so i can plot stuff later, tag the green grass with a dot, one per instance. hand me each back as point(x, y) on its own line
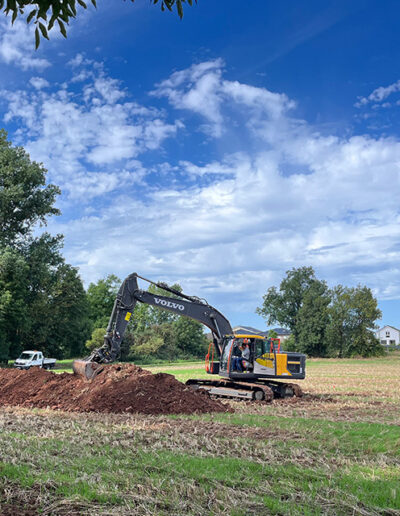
point(327, 454)
point(105, 462)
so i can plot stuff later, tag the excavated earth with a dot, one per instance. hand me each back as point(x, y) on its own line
point(118, 388)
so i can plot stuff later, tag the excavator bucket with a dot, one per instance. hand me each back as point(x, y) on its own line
point(86, 369)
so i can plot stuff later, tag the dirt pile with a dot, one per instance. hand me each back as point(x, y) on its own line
point(118, 388)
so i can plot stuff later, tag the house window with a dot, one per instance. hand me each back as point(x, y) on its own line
point(383, 342)
point(387, 334)
point(392, 342)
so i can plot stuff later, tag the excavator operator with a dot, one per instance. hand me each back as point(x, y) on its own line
point(246, 355)
point(237, 357)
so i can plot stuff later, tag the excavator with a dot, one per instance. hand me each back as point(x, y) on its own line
point(259, 377)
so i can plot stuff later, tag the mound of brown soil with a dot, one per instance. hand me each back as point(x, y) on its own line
point(118, 388)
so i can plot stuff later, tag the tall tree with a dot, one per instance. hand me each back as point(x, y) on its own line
point(352, 317)
point(32, 269)
point(25, 199)
point(69, 309)
point(312, 320)
point(14, 290)
point(295, 301)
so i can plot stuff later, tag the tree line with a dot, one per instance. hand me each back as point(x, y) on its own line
point(324, 322)
point(44, 305)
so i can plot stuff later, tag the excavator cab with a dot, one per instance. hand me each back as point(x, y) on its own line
point(265, 360)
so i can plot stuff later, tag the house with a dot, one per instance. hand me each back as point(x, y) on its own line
point(283, 334)
point(388, 336)
point(249, 330)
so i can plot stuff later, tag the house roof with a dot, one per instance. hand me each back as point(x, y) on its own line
point(388, 326)
point(254, 331)
point(249, 330)
point(282, 331)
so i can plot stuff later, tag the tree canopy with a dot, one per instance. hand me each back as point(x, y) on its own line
point(324, 322)
point(47, 13)
point(42, 300)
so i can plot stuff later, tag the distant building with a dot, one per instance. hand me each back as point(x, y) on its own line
point(249, 330)
point(283, 334)
point(388, 336)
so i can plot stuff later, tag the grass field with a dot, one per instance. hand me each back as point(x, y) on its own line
point(336, 451)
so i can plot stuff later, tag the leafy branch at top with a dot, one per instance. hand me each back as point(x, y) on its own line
point(47, 13)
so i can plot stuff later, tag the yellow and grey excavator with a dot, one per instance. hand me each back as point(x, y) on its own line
point(254, 374)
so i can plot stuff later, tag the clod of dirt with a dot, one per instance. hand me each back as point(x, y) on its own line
point(118, 388)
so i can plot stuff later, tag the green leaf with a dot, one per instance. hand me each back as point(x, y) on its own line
point(51, 22)
point(71, 5)
point(179, 8)
point(43, 30)
point(82, 3)
point(62, 28)
point(14, 17)
point(37, 38)
point(94, 3)
point(31, 15)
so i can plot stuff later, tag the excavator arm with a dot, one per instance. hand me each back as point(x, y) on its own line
point(128, 295)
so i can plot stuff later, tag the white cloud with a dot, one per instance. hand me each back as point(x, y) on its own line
point(17, 46)
point(245, 219)
point(201, 89)
point(229, 227)
point(196, 89)
point(79, 134)
point(379, 94)
point(39, 82)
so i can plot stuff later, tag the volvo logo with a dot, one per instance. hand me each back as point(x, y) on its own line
point(169, 304)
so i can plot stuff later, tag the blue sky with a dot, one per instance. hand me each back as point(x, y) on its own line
point(221, 150)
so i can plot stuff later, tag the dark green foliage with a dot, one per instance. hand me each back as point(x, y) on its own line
point(45, 13)
point(300, 305)
point(336, 323)
point(352, 316)
point(25, 199)
point(68, 305)
point(190, 338)
point(14, 322)
point(312, 319)
point(42, 301)
point(157, 333)
point(101, 297)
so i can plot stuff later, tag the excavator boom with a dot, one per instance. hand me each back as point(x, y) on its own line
point(128, 295)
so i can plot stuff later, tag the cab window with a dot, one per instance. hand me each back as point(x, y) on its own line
point(225, 353)
point(261, 347)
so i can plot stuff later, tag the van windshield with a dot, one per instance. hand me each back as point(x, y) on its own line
point(26, 356)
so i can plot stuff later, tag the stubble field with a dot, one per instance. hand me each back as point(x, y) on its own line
point(335, 451)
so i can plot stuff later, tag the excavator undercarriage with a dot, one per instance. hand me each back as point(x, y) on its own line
point(250, 391)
